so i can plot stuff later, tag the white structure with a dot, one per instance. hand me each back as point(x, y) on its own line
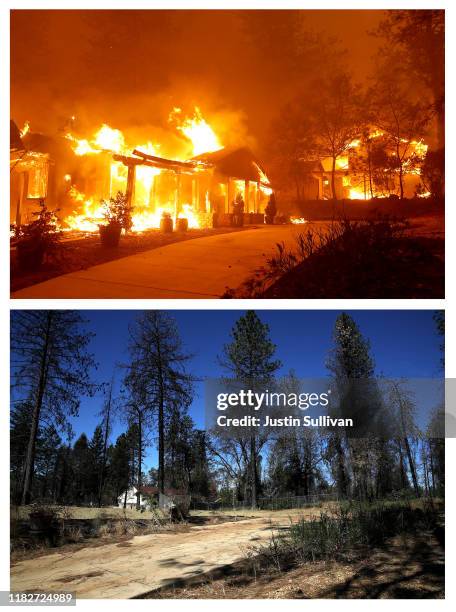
point(145, 497)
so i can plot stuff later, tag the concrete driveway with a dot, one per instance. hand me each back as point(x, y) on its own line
point(144, 563)
point(199, 268)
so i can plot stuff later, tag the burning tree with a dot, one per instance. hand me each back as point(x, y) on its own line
point(400, 120)
point(336, 120)
point(323, 126)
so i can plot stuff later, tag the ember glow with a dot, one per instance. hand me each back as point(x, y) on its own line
point(298, 220)
point(148, 208)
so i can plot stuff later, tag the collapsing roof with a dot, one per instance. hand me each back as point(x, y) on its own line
point(238, 163)
point(16, 143)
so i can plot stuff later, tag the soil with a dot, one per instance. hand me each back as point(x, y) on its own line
point(105, 570)
point(89, 536)
point(410, 567)
point(213, 560)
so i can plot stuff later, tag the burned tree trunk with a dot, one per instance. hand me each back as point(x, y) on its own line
point(333, 178)
point(105, 444)
point(411, 462)
point(253, 472)
point(30, 456)
point(140, 442)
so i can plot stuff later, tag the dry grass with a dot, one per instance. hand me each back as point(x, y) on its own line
point(246, 513)
point(76, 512)
point(411, 569)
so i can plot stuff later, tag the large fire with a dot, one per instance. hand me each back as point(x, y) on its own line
point(146, 214)
point(413, 150)
point(198, 131)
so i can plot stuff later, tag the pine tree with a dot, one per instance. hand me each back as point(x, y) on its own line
point(96, 447)
point(51, 368)
point(107, 416)
point(352, 367)
point(157, 376)
point(249, 359)
point(82, 470)
point(119, 474)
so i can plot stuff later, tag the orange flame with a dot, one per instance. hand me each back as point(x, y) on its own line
point(197, 130)
point(146, 214)
point(25, 129)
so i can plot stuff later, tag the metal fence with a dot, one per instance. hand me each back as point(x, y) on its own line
point(267, 503)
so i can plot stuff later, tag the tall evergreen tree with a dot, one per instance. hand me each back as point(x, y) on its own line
point(51, 369)
point(82, 470)
point(119, 466)
point(249, 358)
point(106, 425)
point(158, 368)
point(352, 367)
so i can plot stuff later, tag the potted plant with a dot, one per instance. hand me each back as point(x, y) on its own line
point(166, 222)
point(117, 215)
point(37, 239)
point(182, 224)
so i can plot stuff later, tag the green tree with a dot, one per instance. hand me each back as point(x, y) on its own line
point(96, 452)
point(358, 397)
point(51, 368)
point(106, 425)
point(249, 358)
point(157, 371)
point(119, 466)
point(82, 469)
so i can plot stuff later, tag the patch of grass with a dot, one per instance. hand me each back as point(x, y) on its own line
point(346, 531)
point(81, 512)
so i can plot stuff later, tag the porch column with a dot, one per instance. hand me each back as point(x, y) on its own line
point(246, 197)
point(153, 195)
point(194, 199)
point(226, 204)
point(229, 195)
point(177, 199)
point(130, 189)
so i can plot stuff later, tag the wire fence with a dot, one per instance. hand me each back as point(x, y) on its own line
point(267, 503)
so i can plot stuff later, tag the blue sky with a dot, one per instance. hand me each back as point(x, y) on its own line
point(403, 343)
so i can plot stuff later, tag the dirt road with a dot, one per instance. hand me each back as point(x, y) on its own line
point(131, 568)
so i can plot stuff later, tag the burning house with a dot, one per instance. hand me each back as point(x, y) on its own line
point(29, 176)
point(198, 179)
point(366, 170)
point(200, 187)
